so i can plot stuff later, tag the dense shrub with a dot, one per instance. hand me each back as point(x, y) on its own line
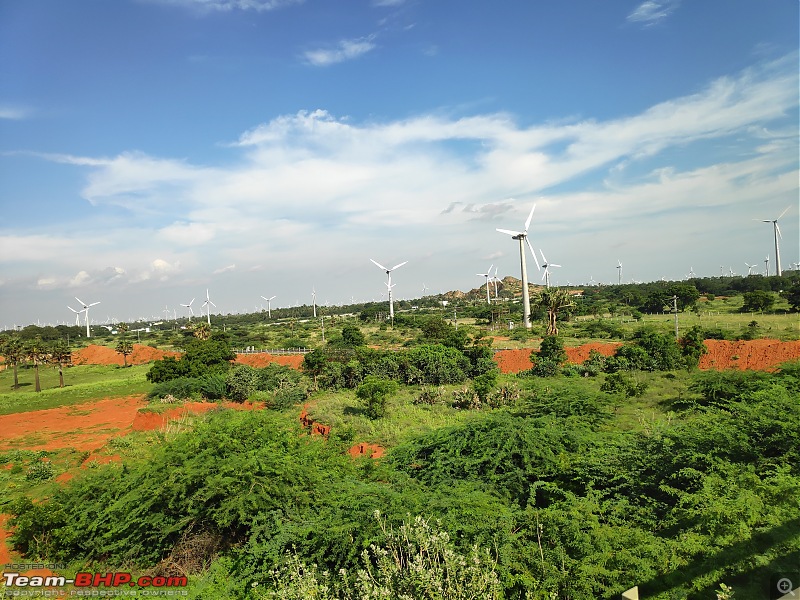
point(180, 388)
point(241, 381)
point(374, 392)
point(436, 364)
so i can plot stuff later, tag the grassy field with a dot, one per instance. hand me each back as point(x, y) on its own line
point(81, 383)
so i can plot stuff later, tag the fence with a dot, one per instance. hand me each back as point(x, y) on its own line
point(274, 351)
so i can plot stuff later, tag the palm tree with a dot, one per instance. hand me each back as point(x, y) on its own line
point(60, 353)
point(13, 350)
point(36, 351)
point(202, 331)
point(553, 300)
point(124, 347)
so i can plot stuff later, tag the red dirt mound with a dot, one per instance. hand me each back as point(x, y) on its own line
point(514, 361)
point(364, 449)
point(103, 355)
point(756, 355)
point(263, 359)
point(309, 423)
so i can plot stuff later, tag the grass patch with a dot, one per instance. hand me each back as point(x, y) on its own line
point(86, 382)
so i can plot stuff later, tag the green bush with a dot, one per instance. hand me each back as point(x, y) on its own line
point(213, 386)
point(180, 388)
point(241, 382)
point(374, 392)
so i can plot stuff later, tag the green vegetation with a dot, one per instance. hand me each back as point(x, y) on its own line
point(566, 481)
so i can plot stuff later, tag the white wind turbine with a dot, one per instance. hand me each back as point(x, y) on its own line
point(546, 266)
point(77, 315)
point(314, 301)
point(487, 276)
point(766, 266)
point(691, 272)
point(495, 280)
point(86, 316)
point(750, 269)
point(777, 233)
point(189, 306)
point(389, 284)
point(269, 305)
point(208, 304)
point(523, 236)
point(619, 272)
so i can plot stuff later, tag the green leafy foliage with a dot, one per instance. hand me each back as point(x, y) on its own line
point(374, 392)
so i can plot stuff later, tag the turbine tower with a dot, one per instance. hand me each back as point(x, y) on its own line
point(389, 284)
point(487, 276)
point(777, 233)
point(86, 310)
point(523, 236)
point(546, 266)
point(766, 266)
point(619, 272)
point(208, 304)
point(189, 306)
point(269, 305)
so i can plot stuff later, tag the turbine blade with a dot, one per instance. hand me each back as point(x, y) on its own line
point(528, 220)
point(544, 260)
point(93, 303)
point(81, 301)
point(553, 265)
point(778, 230)
point(400, 265)
point(265, 298)
point(379, 265)
point(784, 212)
point(533, 253)
point(273, 298)
point(511, 233)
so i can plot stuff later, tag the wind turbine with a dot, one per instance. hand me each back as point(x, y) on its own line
point(269, 305)
point(619, 272)
point(749, 269)
point(766, 266)
point(208, 304)
point(166, 312)
point(189, 306)
point(389, 284)
point(487, 276)
point(691, 272)
point(86, 316)
point(546, 266)
point(523, 235)
point(314, 301)
point(495, 281)
point(77, 315)
point(777, 233)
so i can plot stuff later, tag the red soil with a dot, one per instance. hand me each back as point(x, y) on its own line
point(263, 359)
point(86, 426)
point(148, 421)
point(5, 553)
point(364, 449)
point(103, 355)
point(757, 355)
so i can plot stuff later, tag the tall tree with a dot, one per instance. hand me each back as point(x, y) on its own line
point(60, 353)
point(13, 350)
point(554, 301)
point(124, 347)
point(36, 352)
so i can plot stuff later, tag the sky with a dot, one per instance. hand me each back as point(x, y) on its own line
point(151, 150)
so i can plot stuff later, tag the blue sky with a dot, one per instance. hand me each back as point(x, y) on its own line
point(150, 149)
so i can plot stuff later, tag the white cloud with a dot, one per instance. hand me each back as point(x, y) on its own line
point(651, 12)
point(229, 5)
point(227, 269)
point(344, 50)
point(187, 234)
point(14, 113)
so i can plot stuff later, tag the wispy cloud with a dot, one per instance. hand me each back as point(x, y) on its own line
point(228, 5)
point(14, 113)
point(651, 12)
point(344, 50)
